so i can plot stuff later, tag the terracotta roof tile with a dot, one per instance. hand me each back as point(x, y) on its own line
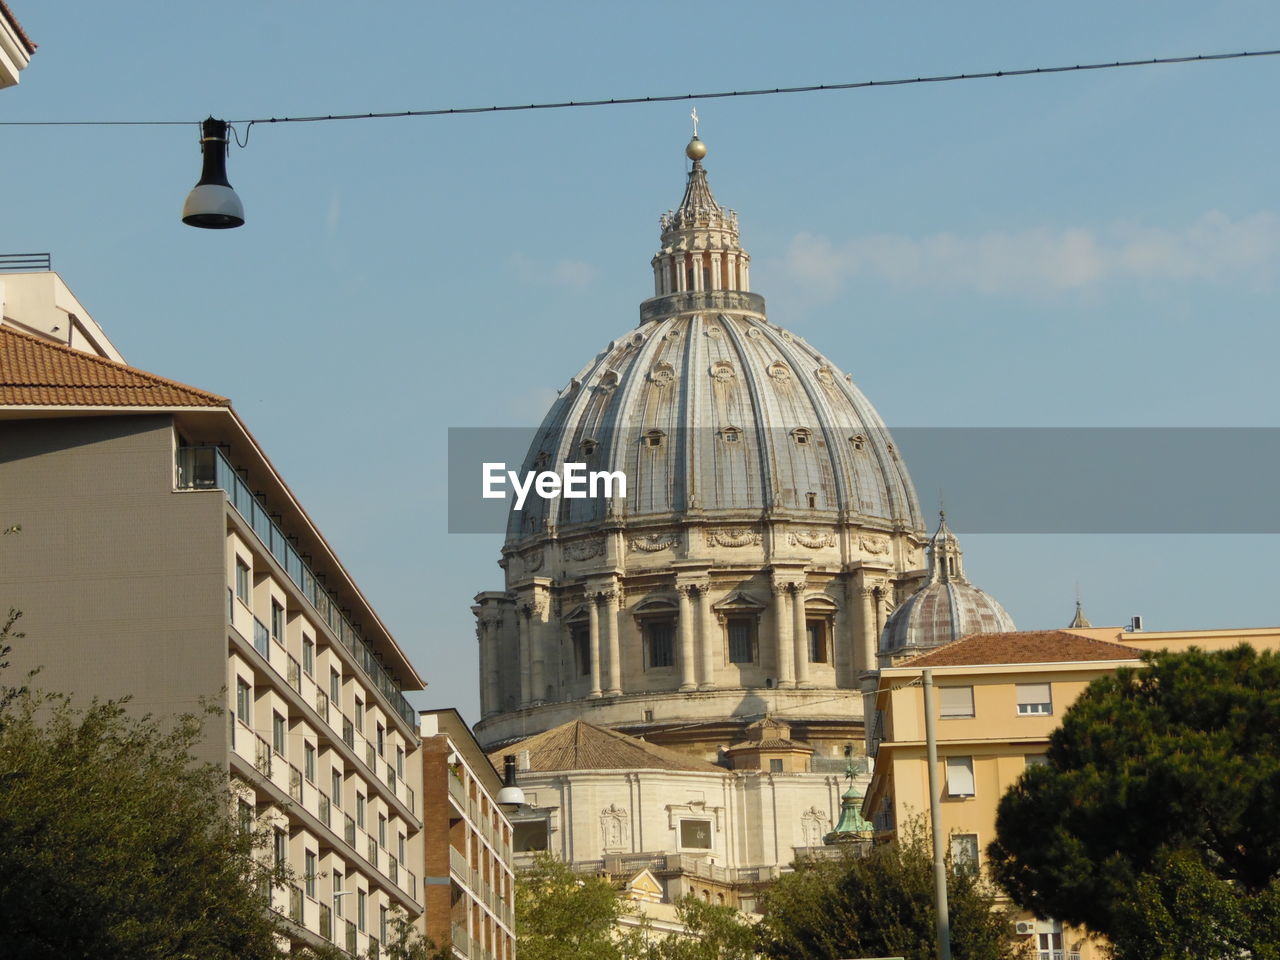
point(1025, 646)
point(17, 27)
point(36, 372)
point(577, 745)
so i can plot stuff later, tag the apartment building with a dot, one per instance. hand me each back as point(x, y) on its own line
point(156, 553)
point(998, 699)
point(469, 881)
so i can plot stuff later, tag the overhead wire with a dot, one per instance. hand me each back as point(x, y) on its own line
point(677, 97)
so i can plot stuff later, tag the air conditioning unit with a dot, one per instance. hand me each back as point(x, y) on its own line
point(1024, 928)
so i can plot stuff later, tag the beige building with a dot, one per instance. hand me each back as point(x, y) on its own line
point(999, 697)
point(156, 553)
point(469, 882)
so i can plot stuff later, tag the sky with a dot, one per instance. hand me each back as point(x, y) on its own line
point(1078, 250)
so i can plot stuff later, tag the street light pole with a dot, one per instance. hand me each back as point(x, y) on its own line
point(935, 821)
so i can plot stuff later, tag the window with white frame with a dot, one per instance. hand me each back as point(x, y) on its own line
point(309, 762)
point(277, 734)
point(964, 853)
point(1034, 700)
point(960, 776)
point(335, 787)
point(308, 656)
point(277, 621)
point(310, 875)
point(281, 847)
point(955, 702)
point(242, 581)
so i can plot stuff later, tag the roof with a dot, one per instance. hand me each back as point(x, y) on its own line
point(1026, 646)
point(17, 27)
point(37, 372)
point(577, 745)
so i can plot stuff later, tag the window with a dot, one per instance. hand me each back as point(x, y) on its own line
point(1034, 700)
point(359, 719)
point(654, 438)
point(400, 847)
point(960, 776)
point(817, 640)
point(730, 435)
point(801, 435)
point(811, 500)
point(277, 734)
point(277, 622)
point(659, 641)
point(245, 811)
point(242, 581)
point(281, 847)
point(360, 810)
point(1036, 760)
point(528, 836)
point(308, 656)
point(695, 834)
point(361, 908)
point(382, 831)
point(741, 640)
point(310, 877)
point(775, 765)
point(381, 739)
point(580, 637)
point(243, 699)
point(964, 853)
point(400, 761)
point(382, 924)
point(955, 702)
point(335, 688)
point(1048, 945)
point(309, 762)
point(337, 889)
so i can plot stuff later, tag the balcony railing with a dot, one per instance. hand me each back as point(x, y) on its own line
point(202, 468)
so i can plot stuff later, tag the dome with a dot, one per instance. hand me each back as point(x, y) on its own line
point(767, 528)
point(946, 608)
point(710, 409)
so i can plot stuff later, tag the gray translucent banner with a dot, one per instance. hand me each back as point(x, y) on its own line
point(993, 480)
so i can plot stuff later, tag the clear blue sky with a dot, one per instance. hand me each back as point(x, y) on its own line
point(1077, 250)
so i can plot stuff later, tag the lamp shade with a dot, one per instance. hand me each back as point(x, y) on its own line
point(213, 205)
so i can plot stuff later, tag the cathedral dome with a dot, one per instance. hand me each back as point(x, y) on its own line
point(767, 529)
point(710, 409)
point(946, 608)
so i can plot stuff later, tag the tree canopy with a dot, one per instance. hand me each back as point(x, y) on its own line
point(1153, 821)
point(562, 916)
point(879, 905)
point(114, 844)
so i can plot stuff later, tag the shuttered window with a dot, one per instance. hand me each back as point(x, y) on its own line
point(1034, 700)
point(956, 701)
point(960, 776)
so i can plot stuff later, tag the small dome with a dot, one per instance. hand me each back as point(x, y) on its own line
point(946, 608)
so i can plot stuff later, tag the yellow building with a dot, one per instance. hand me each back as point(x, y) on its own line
point(999, 696)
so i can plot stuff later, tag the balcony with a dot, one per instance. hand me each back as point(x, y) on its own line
point(207, 468)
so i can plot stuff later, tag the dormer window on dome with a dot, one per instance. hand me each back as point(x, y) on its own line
point(731, 435)
point(654, 438)
point(588, 447)
point(801, 435)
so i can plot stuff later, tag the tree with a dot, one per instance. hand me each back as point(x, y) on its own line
point(562, 916)
point(1153, 822)
point(880, 904)
point(712, 932)
point(114, 843)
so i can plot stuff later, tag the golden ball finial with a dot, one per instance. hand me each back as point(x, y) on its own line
point(696, 149)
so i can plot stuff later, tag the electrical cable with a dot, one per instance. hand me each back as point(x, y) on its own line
point(671, 98)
